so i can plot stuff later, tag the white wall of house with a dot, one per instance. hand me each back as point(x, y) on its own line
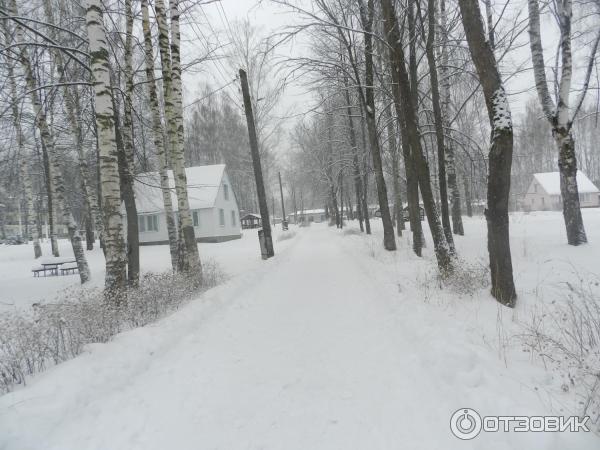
point(208, 223)
point(537, 199)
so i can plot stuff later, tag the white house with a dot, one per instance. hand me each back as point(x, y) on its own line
point(214, 208)
point(544, 192)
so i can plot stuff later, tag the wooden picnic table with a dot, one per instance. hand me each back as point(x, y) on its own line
point(51, 265)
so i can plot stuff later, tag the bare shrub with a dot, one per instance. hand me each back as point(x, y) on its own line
point(55, 332)
point(565, 336)
point(465, 279)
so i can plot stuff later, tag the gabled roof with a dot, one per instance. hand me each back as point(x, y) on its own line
point(550, 182)
point(203, 184)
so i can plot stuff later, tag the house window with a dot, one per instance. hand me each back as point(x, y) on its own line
point(233, 218)
point(222, 217)
point(583, 198)
point(152, 222)
point(226, 191)
point(196, 218)
point(141, 224)
point(543, 201)
point(535, 188)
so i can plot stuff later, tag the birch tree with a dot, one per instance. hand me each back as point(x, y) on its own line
point(23, 156)
point(158, 134)
point(114, 250)
point(54, 164)
point(189, 258)
point(500, 153)
point(559, 114)
point(71, 105)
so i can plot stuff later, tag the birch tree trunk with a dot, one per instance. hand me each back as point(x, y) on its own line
point(189, 258)
point(500, 154)
point(23, 158)
point(158, 135)
point(114, 248)
point(54, 165)
point(367, 13)
point(558, 116)
point(74, 116)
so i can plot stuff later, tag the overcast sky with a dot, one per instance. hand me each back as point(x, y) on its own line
point(219, 19)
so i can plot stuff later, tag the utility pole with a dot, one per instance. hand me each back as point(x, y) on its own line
point(284, 223)
point(265, 237)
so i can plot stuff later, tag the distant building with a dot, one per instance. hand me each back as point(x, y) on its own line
point(544, 192)
point(251, 220)
point(308, 215)
point(213, 205)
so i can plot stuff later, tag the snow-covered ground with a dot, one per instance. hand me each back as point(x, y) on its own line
point(332, 344)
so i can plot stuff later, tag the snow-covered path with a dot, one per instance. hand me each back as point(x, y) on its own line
point(307, 351)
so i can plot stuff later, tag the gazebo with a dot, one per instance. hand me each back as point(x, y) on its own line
point(251, 220)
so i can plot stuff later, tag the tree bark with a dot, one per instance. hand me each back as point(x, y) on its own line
point(558, 116)
point(438, 122)
point(389, 240)
point(126, 161)
point(54, 165)
point(158, 136)
point(406, 108)
point(500, 154)
point(32, 229)
point(393, 146)
point(189, 258)
point(355, 165)
point(114, 248)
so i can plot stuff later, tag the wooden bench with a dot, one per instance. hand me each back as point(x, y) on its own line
point(36, 271)
point(68, 268)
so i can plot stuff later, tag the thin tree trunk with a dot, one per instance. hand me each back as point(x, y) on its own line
point(53, 158)
point(468, 197)
point(355, 165)
point(389, 240)
point(408, 113)
point(74, 117)
point(393, 146)
point(365, 181)
point(51, 203)
point(438, 122)
point(126, 161)
point(158, 135)
point(500, 155)
point(114, 248)
point(32, 229)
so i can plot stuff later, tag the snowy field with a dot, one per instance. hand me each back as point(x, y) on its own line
point(332, 344)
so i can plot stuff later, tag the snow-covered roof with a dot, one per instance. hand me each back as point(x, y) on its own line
point(550, 182)
point(203, 184)
point(311, 211)
point(251, 215)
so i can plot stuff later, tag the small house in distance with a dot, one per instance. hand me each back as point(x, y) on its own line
point(308, 216)
point(544, 192)
point(250, 221)
point(213, 205)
